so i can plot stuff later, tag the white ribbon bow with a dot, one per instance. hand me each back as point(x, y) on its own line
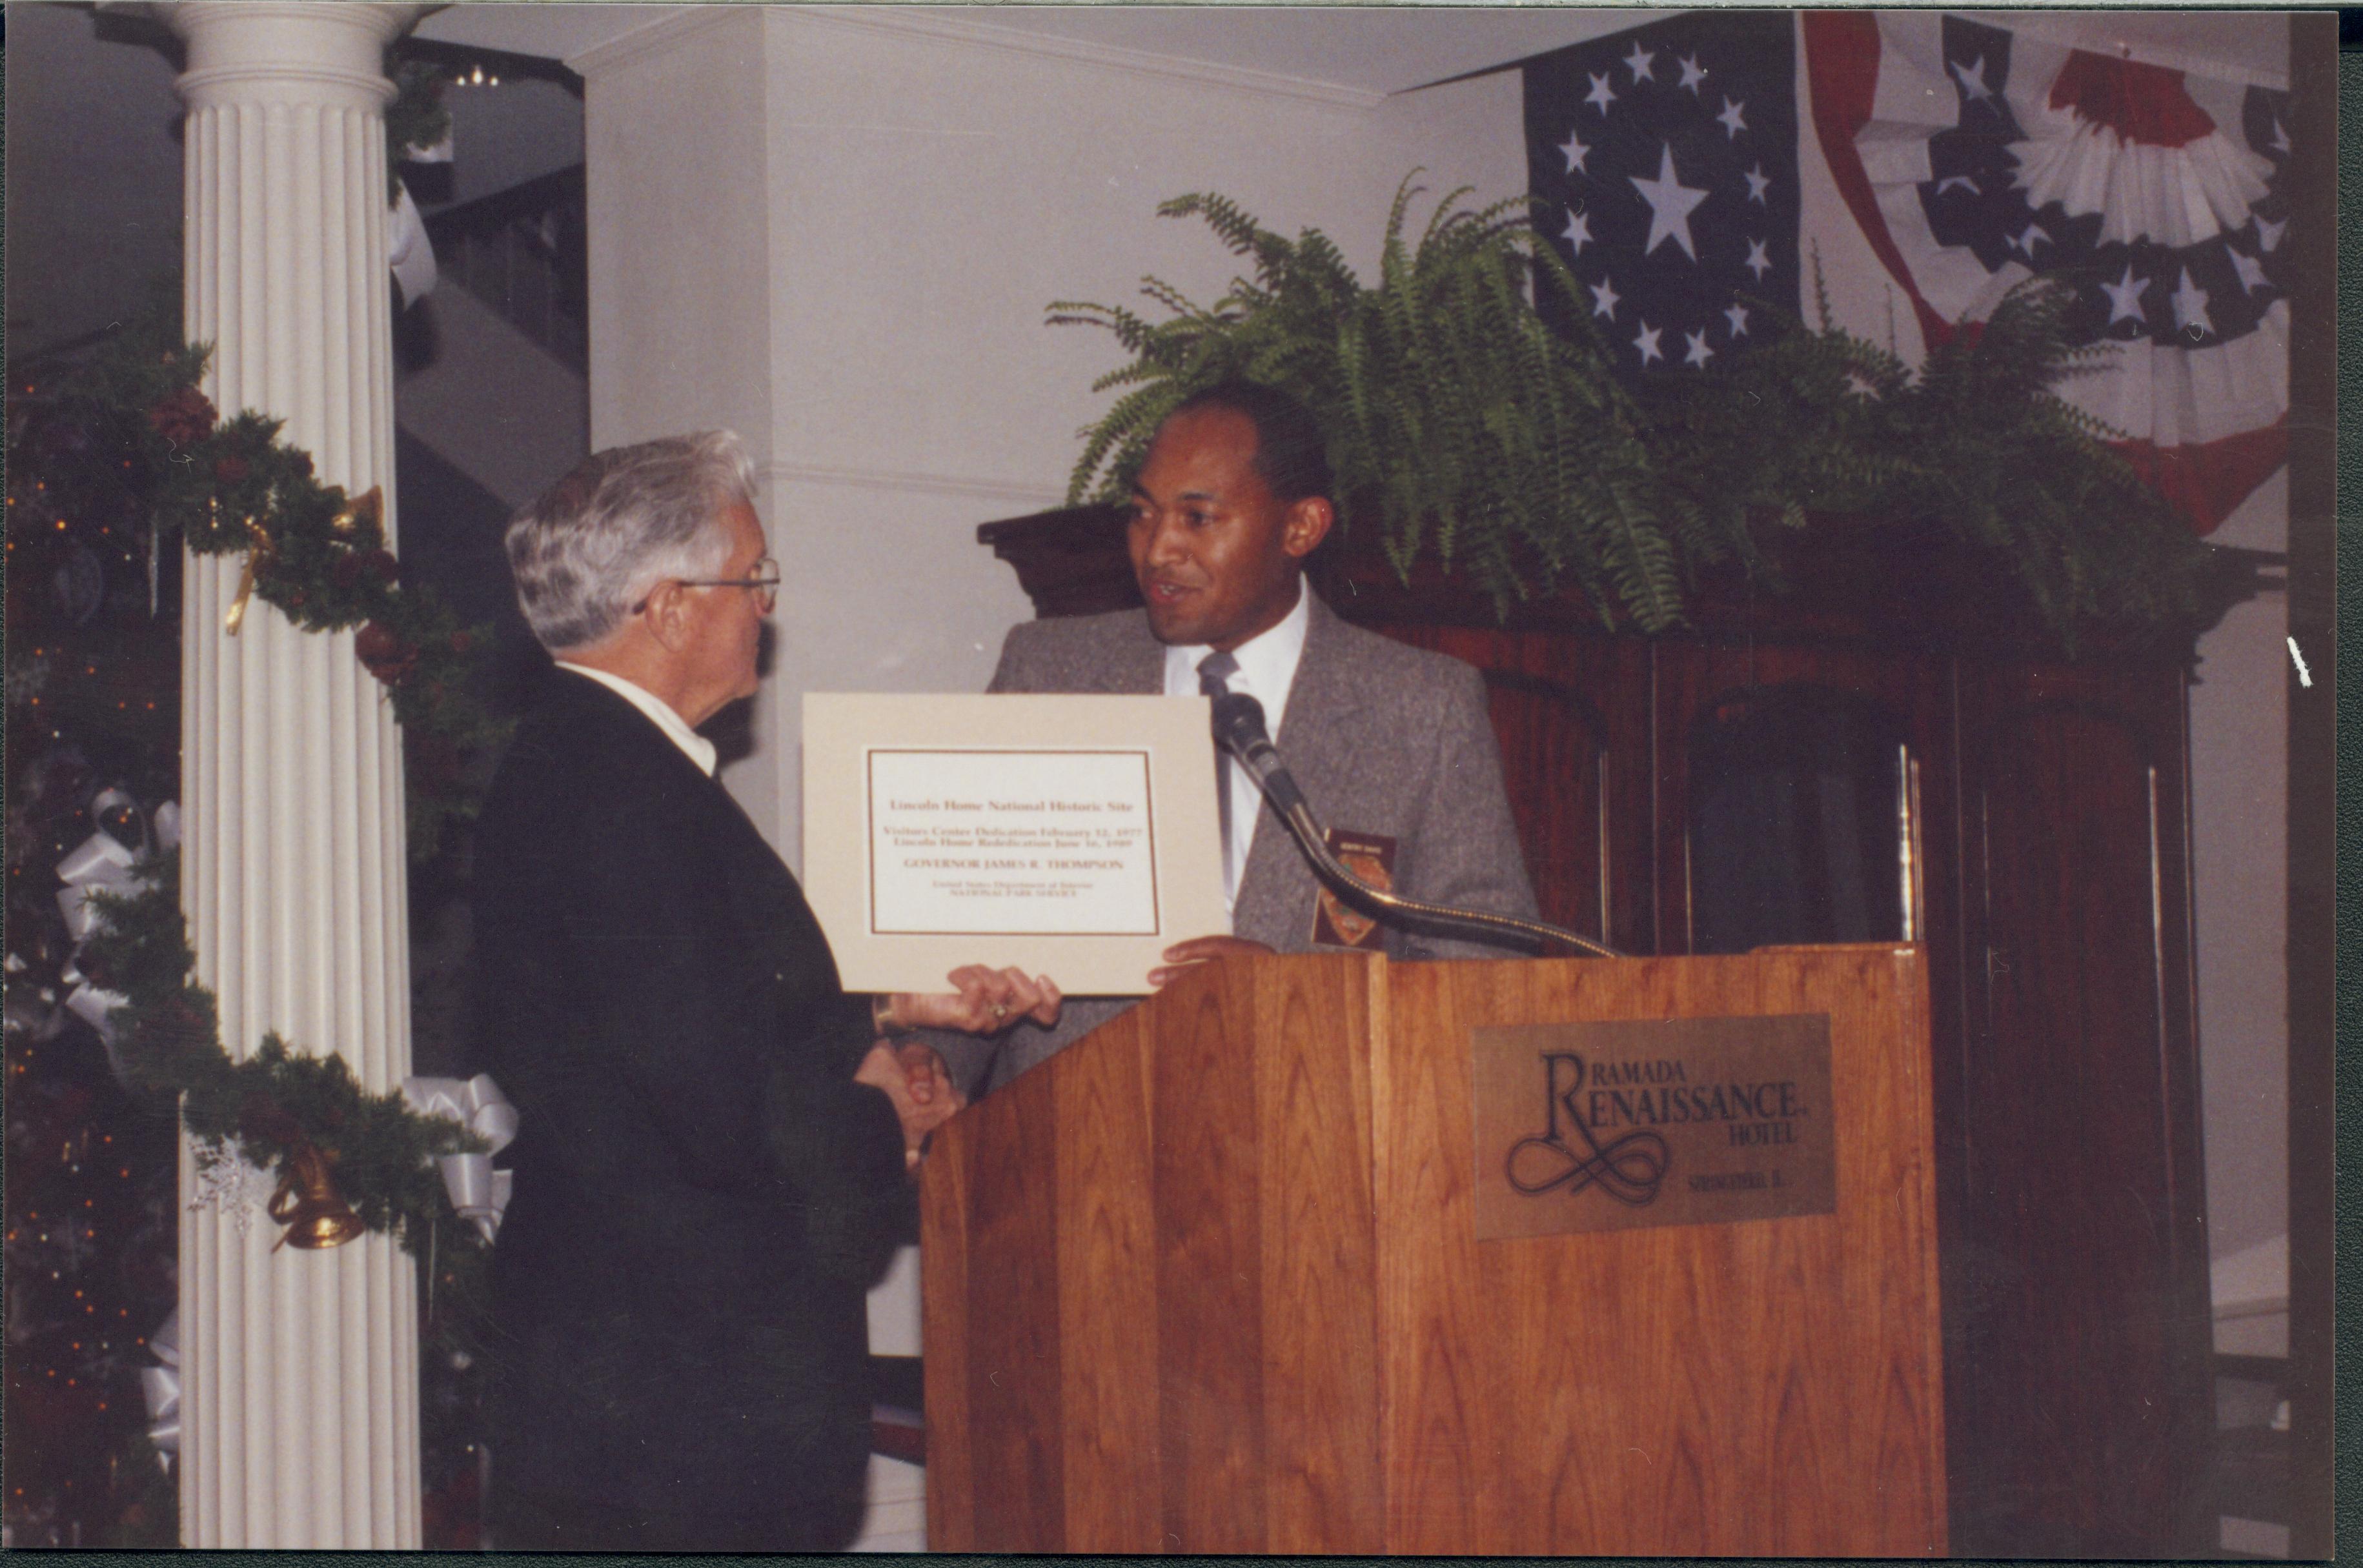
point(161, 1386)
point(477, 1192)
point(104, 864)
point(408, 249)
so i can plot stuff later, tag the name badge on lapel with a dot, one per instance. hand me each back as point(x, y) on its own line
point(1370, 856)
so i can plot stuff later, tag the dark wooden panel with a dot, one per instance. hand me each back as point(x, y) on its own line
point(1573, 715)
point(2081, 1264)
point(1695, 674)
point(1071, 561)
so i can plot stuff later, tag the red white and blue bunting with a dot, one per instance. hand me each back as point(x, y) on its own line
point(1976, 156)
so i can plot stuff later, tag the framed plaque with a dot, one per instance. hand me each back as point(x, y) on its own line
point(1072, 837)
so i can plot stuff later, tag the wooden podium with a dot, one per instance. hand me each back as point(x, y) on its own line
point(1209, 1282)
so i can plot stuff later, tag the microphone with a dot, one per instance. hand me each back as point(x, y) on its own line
point(1239, 729)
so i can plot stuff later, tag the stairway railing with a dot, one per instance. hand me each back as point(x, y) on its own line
point(524, 252)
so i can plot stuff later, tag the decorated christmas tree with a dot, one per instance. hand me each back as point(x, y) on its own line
point(93, 755)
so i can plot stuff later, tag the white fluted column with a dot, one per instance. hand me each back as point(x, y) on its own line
point(300, 1369)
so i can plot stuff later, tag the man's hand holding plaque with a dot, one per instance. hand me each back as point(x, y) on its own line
point(985, 1001)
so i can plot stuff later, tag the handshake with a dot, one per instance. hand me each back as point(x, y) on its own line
point(983, 1001)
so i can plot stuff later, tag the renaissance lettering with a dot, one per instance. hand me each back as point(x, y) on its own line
point(1705, 1103)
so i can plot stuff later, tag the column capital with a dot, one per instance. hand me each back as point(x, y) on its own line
point(285, 49)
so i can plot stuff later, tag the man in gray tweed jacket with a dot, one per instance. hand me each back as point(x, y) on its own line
point(1391, 743)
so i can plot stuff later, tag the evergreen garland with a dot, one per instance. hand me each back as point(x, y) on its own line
point(415, 119)
point(129, 438)
point(226, 486)
point(1463, 425)
point(276, 1101)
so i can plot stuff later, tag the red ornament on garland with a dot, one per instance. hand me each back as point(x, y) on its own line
point(381, 648)
point(354, 565)
point(434, 763)
point(183, 418)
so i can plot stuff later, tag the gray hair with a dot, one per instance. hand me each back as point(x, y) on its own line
point(624, 521)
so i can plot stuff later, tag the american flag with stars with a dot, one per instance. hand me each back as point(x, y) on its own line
point(1662, 161)
point(1977, 156)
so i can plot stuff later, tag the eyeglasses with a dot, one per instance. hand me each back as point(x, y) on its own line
point(764, 584)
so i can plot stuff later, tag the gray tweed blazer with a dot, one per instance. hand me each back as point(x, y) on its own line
point(1385, 739)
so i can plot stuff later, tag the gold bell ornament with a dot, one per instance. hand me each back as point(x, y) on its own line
point(307, 1205)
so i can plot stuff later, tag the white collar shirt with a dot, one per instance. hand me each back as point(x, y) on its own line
point(1268, 664)
point(694, 747)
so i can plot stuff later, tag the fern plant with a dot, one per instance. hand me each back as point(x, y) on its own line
point(1461, 423)
point(1977, 444)
point(1464, 425)
point(2014, 469)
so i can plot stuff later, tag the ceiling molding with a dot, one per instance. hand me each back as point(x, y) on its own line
point(928, 21)
point(651, 37)
point(996, 490)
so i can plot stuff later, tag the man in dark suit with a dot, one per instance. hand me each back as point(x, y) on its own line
point(713, 1140)
point(1392, 744)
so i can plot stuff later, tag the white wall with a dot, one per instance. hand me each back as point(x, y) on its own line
point(674, 150)
point(2239, 789)
point(676, 170)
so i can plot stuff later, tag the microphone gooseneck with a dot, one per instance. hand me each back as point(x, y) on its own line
point(1239, 728)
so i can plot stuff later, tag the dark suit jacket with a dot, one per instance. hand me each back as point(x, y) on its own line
point(1384, 738)
point(703, 1193)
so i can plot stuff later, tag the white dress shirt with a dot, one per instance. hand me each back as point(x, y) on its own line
point(1266, 669)
point(694, 747)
